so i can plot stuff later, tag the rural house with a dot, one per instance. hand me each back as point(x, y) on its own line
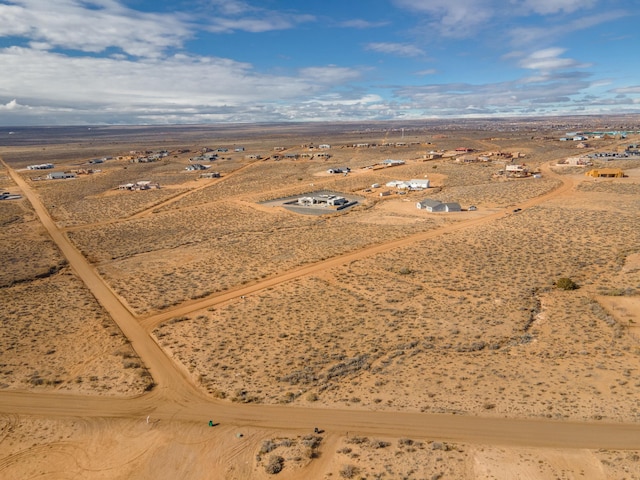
point(60, 175)
point(437, 206)
point(606, 172)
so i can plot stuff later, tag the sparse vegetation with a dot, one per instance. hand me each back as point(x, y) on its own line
point(275, 464)
point(467, 322)
point(565, 283)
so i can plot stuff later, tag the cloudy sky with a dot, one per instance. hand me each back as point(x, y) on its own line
point(67, 62)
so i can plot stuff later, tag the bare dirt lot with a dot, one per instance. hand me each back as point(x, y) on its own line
point(418, 341)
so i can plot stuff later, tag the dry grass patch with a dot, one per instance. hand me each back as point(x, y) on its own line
point(367, 458)
point(462, 323)
point(55, 335)
point(26, 252)
point(159, 261)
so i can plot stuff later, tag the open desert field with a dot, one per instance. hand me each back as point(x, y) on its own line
point(417, 342)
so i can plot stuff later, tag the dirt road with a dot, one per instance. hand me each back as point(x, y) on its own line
point(176, 398)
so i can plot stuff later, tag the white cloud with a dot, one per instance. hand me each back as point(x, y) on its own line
point(546, 7)
point(12, 105)
point(182, 85)
point(401, 49)
point(265, 23)
point(335, 100)
point(515, 97)
point(231, 7)
point(452, 18)
point(549, 59)
point(625, 90)
point(71, 24)
point(361, 24)
point(466, 18)
point(331, 74)
point(549, 33)
point(235, 15)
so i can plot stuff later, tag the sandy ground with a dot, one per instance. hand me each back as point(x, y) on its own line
point(117, 449)
point(416, 355)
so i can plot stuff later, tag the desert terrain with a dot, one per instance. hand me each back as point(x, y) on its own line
point(421, 345)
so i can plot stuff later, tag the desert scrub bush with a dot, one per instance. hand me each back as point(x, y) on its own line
point(175, 320)
point(275, 465)
point(287, 442)
point(268, 446)
point(311, 441)
point(566, 283)
point(379, 444)
point(405, 441)
point(348, 471)
point(357, 440)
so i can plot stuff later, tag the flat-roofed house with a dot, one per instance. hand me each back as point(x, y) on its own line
point(431, 205)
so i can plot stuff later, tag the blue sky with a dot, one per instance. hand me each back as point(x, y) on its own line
point(67, 62)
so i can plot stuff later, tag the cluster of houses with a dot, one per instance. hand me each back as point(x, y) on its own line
point(384, 144)
point(628, 153)
point(582, 136)
point(295, 156)
point(576, 138)
point(142, 157)
point(488, 157)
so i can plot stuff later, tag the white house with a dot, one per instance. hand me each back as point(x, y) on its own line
point(60, 175)
point(324, 146)
point(394, 183)
point(414, 184)
point(389, 162)
point(437, 206)
point(197, 166)
point(418, 184)
point(44, 166)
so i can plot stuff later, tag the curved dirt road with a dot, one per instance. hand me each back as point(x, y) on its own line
point(176, 397)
